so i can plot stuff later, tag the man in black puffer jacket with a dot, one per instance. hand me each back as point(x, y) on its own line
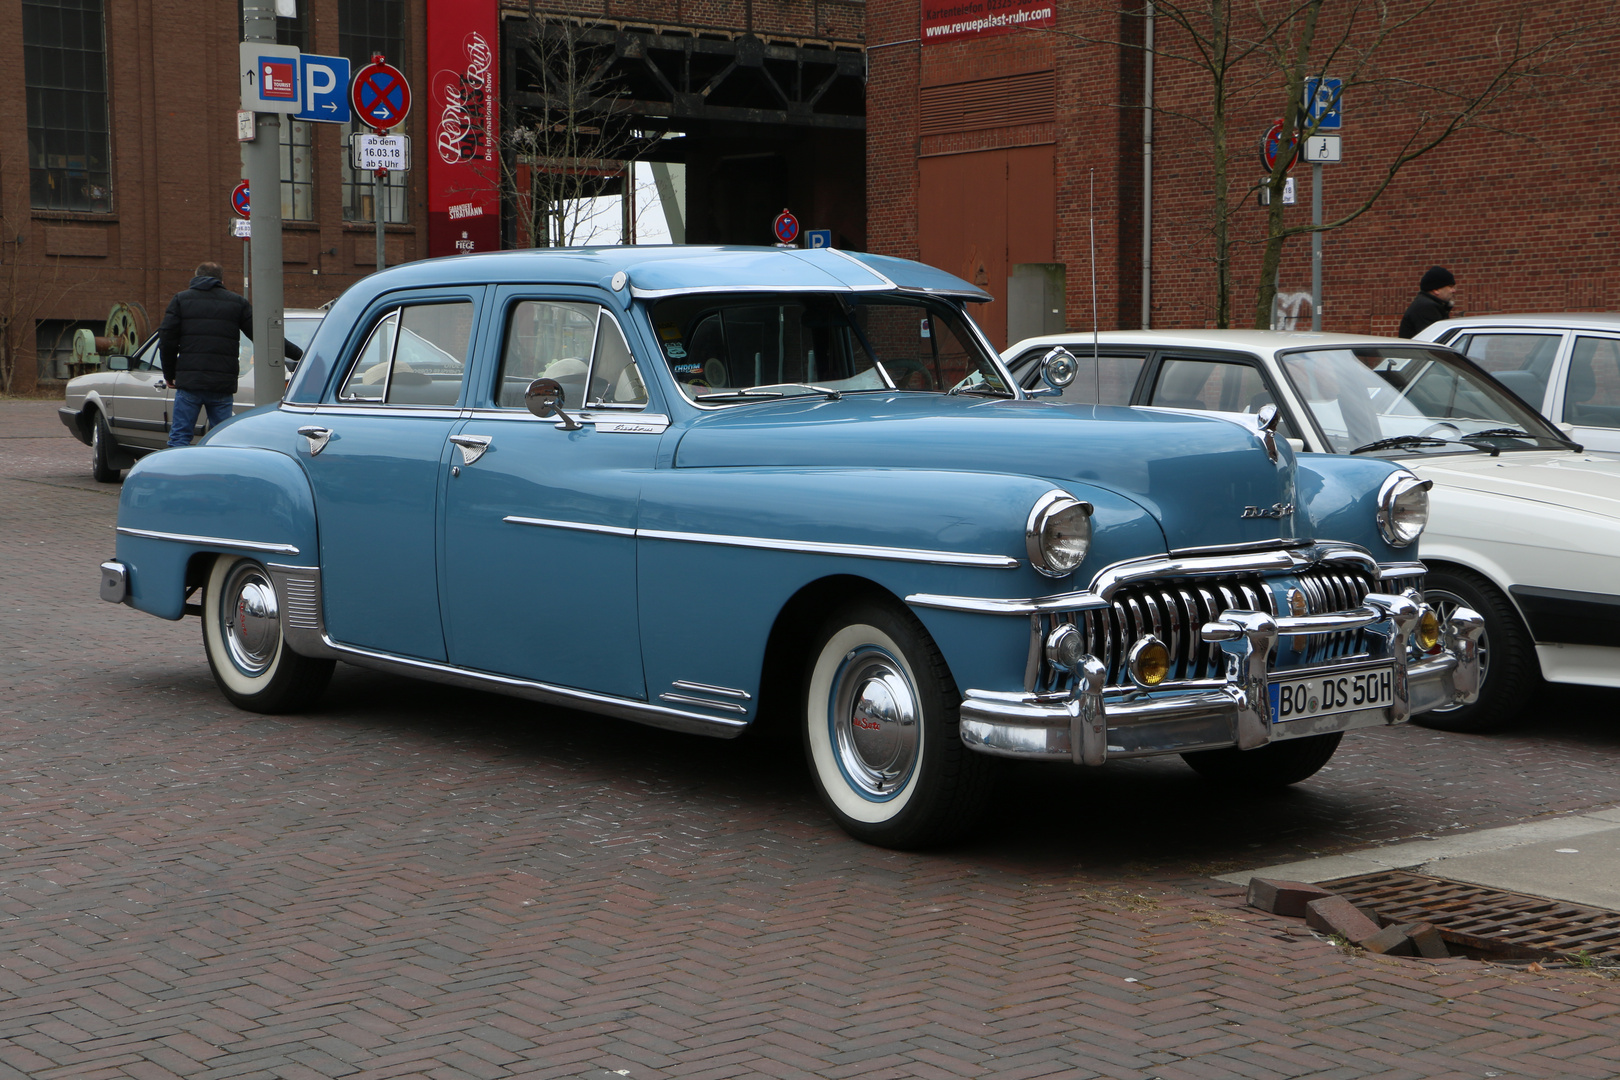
point(198, 340)
point(1432, 303)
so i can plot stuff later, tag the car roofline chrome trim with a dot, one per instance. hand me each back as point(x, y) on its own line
point(691, 290)
point(1107, 581)
point(859, 551)
point(640, 712)
point(210, 541)
point(874, 271)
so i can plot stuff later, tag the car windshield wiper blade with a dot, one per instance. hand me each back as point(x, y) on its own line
point(832, 395)
point(741, 395)
point(1498, 433)
point(978, 388)
point(1400, 441)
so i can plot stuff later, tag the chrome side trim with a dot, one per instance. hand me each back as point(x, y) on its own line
point(579, 526)
point(684, 699)
point(626, 419)
point(351, 409)
point(705, 688)
point(210, 541)
point(298, 592)
point(859, 551)
point(1401, 570)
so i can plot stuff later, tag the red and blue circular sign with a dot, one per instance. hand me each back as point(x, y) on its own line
point(239, 200)
point(1272, 147)
point(380, 95)
point(786, 227)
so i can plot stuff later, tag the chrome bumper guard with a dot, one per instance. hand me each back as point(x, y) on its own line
point(114, 582)
point(1087, 727)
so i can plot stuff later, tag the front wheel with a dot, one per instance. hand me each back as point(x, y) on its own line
point(1508, 668)
point(880, 731)
point(101, 450)
point(1274, 765)
point(242, 635)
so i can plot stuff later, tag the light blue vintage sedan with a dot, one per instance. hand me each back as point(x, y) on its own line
point(697, 487)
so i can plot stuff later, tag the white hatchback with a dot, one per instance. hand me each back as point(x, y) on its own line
point(1566, 364)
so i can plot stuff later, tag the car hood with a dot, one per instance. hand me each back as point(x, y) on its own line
point(1586, 482)
point(1194, 474)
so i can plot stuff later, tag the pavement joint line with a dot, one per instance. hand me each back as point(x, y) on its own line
point(1420, 852)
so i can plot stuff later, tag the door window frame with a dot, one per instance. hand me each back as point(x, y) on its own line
point(1289, 428)
point(380, 309)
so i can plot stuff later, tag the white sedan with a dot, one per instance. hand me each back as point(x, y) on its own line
point(1566, 364)
point(1524, 524)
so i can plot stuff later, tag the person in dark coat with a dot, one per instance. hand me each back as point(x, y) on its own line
point(1432, 303)
point(198, 342)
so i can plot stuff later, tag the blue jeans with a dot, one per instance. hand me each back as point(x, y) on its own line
point(183, 414)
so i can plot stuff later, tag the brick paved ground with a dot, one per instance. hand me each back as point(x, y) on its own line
point(422, 882)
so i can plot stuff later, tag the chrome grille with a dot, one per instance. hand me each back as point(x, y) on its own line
point(1174, 612)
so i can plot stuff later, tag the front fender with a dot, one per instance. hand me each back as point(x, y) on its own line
point(200, 500)
point(1338, 500)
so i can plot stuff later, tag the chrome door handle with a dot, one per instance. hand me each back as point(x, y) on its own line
point(317, 436)
point(472, 446)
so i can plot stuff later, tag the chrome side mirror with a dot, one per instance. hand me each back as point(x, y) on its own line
point(1058, 368)
point(545, 398)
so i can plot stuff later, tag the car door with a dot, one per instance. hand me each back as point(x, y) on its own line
point(1589, 398)
point(140, 411)
point(539, 564)
point(375, 453)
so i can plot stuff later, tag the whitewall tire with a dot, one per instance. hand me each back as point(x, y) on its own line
point(251, 662)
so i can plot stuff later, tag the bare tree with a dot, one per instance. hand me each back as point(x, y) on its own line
point(28, 287)
point(570, 142)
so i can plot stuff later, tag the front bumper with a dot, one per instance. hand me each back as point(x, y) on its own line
point(71, 420)
point(1087, 725)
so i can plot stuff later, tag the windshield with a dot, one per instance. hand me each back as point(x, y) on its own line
point(1404, 401)
point(731, 349)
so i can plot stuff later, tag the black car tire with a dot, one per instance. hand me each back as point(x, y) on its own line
point(1509, 670)
point(252, 664)
point(1274, 765)
point(102, 450)
point(879, 720)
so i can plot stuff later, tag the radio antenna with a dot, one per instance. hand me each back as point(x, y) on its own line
point(1096, 361)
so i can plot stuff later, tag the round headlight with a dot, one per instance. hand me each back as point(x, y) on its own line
point(1058, 533)
point(1403, 508)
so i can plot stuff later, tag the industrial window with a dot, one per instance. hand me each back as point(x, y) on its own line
point(297, 170)
point(365, 29)
point(65, 73)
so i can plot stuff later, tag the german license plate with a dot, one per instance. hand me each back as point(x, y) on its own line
point(1306, 696)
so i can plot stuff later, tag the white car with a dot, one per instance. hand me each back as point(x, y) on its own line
point(1566, 364)
point(121, 413)
point(1524, 525)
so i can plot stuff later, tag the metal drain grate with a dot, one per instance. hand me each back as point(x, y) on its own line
point(1485, 919)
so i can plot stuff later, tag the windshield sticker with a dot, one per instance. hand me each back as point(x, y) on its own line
point(676, 350)
point(687, 369)
point(669, 333)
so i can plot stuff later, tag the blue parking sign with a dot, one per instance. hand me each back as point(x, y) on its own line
point(818, 238)
point(326, 88)
point(1324, 105)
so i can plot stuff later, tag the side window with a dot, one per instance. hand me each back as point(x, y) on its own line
point(1592, 397)
point(547, 339)
point(615, 379)
point(414, 356)
point(1211, 385)
point(1111, 380)
point(1521, 362)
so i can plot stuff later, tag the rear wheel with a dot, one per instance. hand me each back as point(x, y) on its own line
point(242, 634)
point(880, 731)
point(1508, 669)
point(1274, 765)
point(101, 450)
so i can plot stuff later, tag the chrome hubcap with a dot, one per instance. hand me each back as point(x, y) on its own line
point(250, 619)
point(1444, 604)
point(875, 715)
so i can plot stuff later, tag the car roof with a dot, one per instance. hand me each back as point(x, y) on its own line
point(1557, 320)
point(655, 270)
point(1259, 341)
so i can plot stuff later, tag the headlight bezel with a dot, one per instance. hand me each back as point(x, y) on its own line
point(1042, 554)
point(1394, 508)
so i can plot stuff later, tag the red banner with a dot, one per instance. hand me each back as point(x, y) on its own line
point(945, 20)
point(463, 152)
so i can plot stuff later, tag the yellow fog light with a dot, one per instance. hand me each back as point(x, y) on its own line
point(1149, 662)
point(1428, 630)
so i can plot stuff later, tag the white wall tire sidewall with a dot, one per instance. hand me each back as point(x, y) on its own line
point(219, 654)
point(823, 757)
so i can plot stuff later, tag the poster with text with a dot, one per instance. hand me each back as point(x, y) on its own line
point(952, 20)
point(463, 152)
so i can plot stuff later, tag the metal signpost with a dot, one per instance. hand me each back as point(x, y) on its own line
point(242, 208)
point(271, 87)
point(1322, 113)
point(381, 98)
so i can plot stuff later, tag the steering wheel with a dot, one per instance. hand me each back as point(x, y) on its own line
point(1432, 428)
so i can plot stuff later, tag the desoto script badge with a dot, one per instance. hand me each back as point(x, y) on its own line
point(1275, 510)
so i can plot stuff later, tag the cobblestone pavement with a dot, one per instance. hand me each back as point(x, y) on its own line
point(415, 881)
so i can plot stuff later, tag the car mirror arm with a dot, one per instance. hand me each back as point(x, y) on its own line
point(545, 398)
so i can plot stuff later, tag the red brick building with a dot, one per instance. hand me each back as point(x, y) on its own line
point(118, 150)
point(998, 152)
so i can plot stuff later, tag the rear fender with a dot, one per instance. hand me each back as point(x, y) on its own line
point(183, 506)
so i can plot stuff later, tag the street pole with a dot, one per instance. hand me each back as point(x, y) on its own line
point(1316, 245)
point(247, 268)
point(261, 166)
point(378, 194)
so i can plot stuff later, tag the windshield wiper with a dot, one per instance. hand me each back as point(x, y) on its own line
point(740, 395)
point(832, 395)
point(978, 388)
point(1499, 433)
point(1400, 441)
